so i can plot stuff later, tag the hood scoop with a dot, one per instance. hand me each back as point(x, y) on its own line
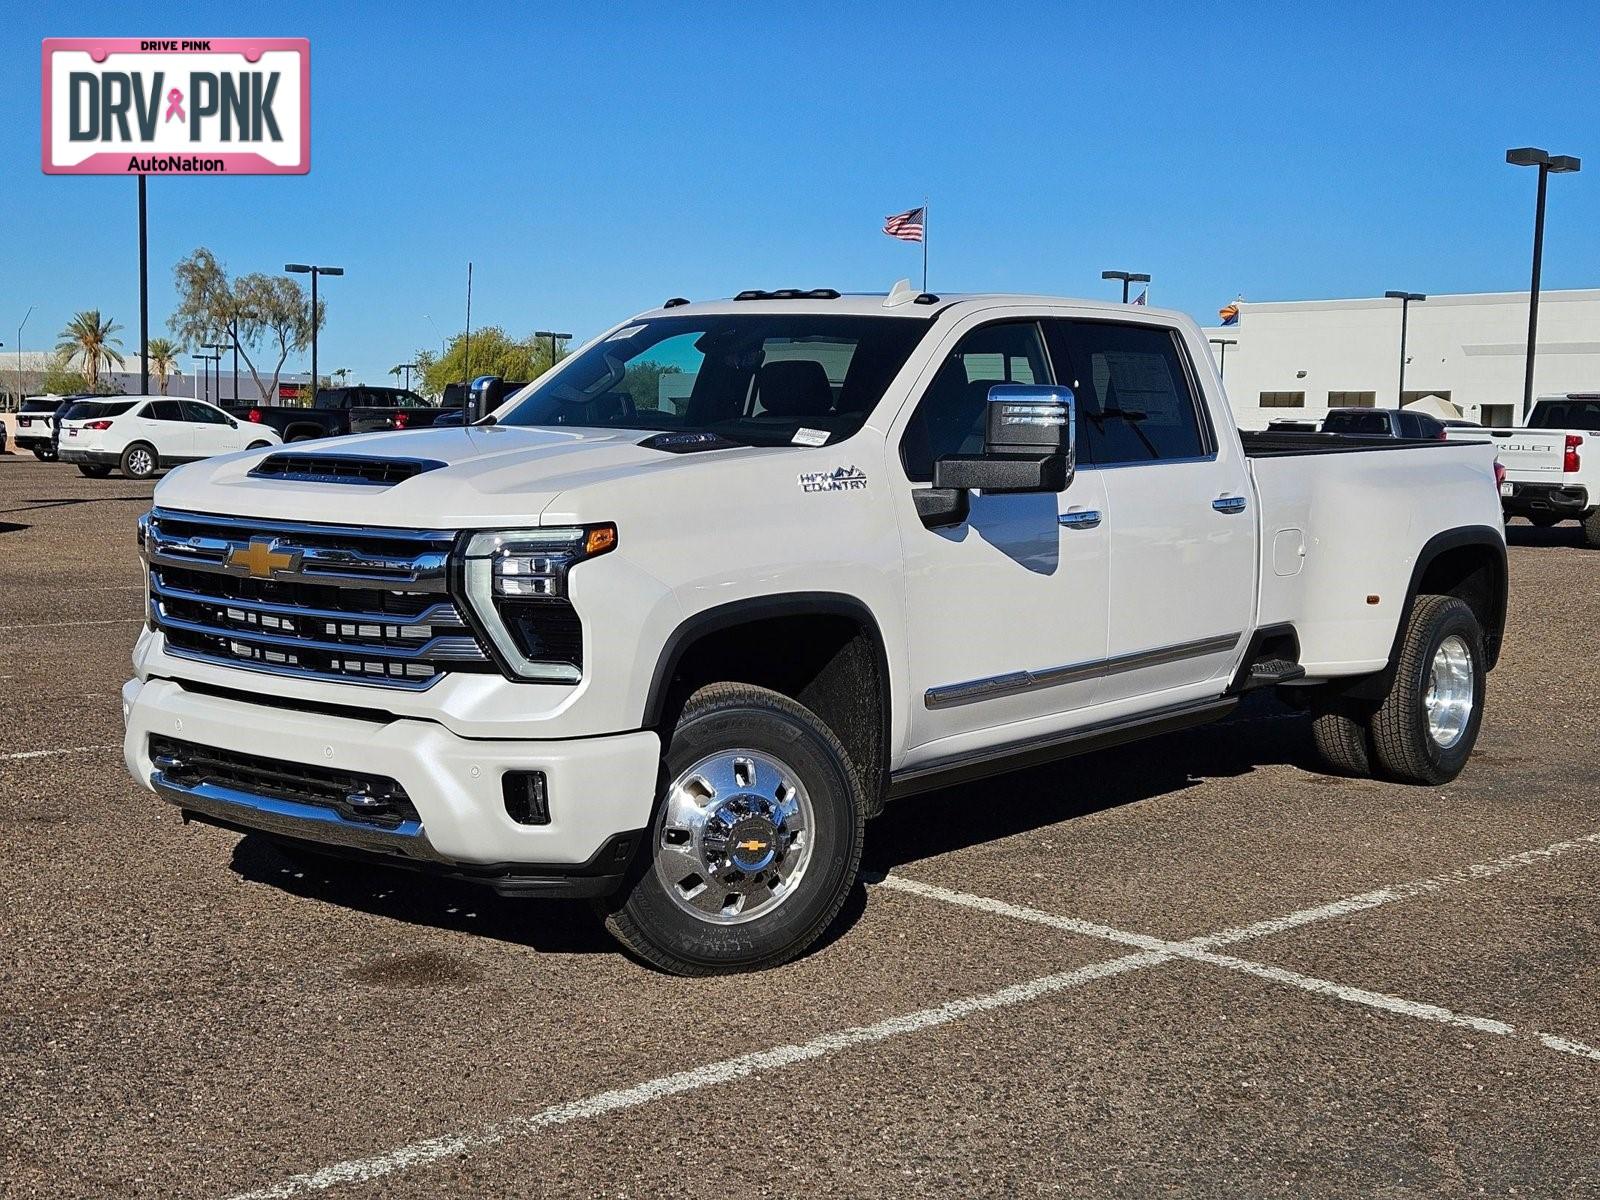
point(688, 443)
point(342, 468)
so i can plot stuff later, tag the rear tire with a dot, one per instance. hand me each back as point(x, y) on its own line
point(755, 841)
point(94, 470)
point(1591, 529)
point(1543, 521)
point(139, 460)
point(1425, 728)
point(1339, 730)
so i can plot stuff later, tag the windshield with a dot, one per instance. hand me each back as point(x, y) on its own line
point(765, 380)
point(94, 410)
point(1565, 414)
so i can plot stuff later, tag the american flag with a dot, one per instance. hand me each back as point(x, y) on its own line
point(906, 226)
point(1142, 298)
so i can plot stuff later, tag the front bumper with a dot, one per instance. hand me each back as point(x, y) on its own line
point(102, 458)
point(1545, 499)
point(600, 789)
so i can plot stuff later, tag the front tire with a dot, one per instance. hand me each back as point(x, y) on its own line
point(755, 842)
point(1425, 728)
point(94, 470)
point(139, 460)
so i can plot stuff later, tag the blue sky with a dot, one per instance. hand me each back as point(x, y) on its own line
point(592, 162)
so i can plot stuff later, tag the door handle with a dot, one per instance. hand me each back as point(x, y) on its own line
point(1080, 518)
point(1228, 504)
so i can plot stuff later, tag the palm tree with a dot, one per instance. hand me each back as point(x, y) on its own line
point(164, 359)
point(92, 341)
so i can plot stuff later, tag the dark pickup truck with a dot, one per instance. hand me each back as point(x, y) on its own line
point(344, 410)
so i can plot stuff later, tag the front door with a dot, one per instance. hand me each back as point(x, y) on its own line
point(1006, 612)
point(214, 431)
point(1177, 505)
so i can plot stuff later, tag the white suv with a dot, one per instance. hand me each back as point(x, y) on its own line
point(141, 434)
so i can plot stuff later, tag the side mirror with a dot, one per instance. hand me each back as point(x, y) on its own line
point(481, 398)
point(1030, 445)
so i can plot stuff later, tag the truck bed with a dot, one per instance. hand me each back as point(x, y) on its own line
point(1274, 443)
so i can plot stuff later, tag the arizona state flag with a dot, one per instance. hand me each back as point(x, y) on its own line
point(1229, 313)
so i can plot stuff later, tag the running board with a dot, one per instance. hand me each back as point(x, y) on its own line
point(1017, 756)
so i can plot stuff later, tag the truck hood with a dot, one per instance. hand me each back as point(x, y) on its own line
point(490, 475)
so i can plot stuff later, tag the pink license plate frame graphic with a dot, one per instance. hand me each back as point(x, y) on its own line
point(232, 162)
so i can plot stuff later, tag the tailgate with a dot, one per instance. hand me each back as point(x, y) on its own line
point(1528, 455)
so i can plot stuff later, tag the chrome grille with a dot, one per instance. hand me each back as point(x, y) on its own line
point(333, 602)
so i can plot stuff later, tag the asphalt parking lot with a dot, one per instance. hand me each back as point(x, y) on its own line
point(1189, 966)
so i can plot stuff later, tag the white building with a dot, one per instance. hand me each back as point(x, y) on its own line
point(1296, 360)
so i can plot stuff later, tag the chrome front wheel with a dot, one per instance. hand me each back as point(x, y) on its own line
point(736, 836)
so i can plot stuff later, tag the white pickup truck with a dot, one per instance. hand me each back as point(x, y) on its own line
point(1552, 464)
point(669, 625)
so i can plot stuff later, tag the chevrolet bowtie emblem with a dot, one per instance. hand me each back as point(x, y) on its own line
point(260, 560)
point(752, 845)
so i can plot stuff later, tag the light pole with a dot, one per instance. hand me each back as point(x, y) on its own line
point(1560, 164)
point(217, 349)
point(205, 370)
point(1222, 358)
point(25, 317)
point(1406, 299)
point(554, 338)
point(313, 270)
point(407, 368)
point(1127, 277)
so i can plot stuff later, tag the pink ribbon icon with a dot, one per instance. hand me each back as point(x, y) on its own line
point(175, 106)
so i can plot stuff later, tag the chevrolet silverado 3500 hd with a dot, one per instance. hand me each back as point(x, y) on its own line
point(665, 629)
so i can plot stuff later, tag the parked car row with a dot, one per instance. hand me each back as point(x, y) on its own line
point(140, 435)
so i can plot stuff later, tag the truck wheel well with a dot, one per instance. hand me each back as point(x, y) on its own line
point(1475, 575)
point(832, 663)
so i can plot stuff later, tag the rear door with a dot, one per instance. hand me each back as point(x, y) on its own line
point(162, 423)
point(1177, 506)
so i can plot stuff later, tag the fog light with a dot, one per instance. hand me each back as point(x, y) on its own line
point(527, 802)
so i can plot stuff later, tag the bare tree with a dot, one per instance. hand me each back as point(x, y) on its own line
point(268, 314)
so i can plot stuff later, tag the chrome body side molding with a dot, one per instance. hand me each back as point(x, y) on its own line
point(988, 688)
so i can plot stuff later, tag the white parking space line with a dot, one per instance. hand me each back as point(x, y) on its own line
point(1194, 951)
point(51, 753)
point(421, 1153)
point(70, 624)
point(1149, 952)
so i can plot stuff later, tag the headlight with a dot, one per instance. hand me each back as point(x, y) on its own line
point(516, 582)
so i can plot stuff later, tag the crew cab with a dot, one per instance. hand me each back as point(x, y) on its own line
point(1552, 464)
point(141, 435)
point(342, 410)
point(667, 627)
point(1383, 422)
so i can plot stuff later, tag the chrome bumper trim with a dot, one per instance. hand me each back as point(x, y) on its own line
point(286, 818)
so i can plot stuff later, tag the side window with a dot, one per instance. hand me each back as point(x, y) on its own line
point(163, 410)
point(202, 414)
point(949, 419)
point(1135, 401)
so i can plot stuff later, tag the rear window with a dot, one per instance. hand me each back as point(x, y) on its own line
point(1368, 423)
point(96, 410)
point(40, 406)
point(1566, 414)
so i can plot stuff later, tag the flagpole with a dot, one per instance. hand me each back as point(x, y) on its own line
point(924, 243)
